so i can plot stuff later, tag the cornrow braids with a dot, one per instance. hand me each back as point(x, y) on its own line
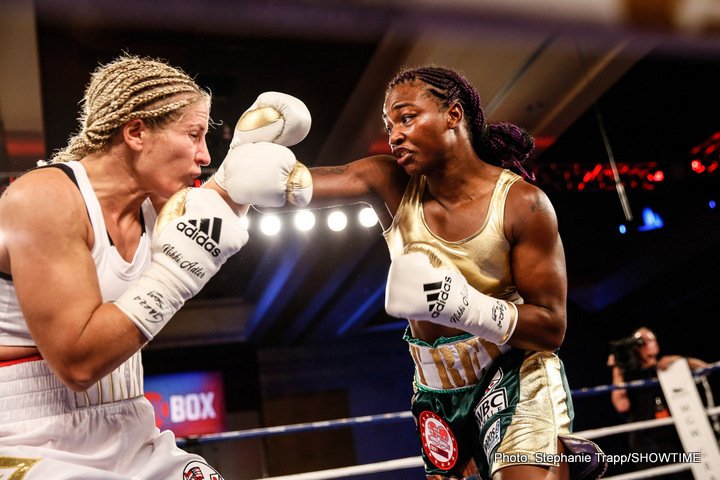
point(125, 89)
point(500, 144)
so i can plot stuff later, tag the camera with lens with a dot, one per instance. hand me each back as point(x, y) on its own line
point(627, 357)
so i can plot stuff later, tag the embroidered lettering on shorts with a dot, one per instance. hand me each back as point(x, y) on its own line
point(13, 468)
point(438, 441)
point(200, 471)
point(491, 438)
point(490, 404)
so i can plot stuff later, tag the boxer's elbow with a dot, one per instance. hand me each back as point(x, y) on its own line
point(545, 329)
point(77, 370)
point(550, 340)
point(555, 332)
point(77, 377)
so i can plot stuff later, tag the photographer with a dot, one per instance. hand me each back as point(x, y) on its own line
point(636, 358)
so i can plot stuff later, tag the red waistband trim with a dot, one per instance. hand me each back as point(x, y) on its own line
point(30, 358)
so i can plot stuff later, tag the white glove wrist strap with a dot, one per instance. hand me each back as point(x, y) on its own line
point(490, 318)
point(150, 302)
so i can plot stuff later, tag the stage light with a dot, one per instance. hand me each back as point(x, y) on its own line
point(705, 156)
point(711, 204)
point(697, 166)
point(304, 220)
point(270, 225)
point(367, 217)
point(658, 176)
point(651, 220)
point(337, 221)
point(622, 229)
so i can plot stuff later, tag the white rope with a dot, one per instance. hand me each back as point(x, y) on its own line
point(416, 462)
point(626, 427)
point(387, 466)
point(392, 417)
point(650, 472)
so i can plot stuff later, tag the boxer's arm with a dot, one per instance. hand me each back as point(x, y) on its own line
point(538, 267)
point(284, 120)
point(47, 235)
point(45, 229)
point(376, 180)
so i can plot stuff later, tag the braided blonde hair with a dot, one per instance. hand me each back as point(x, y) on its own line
point(125, 89)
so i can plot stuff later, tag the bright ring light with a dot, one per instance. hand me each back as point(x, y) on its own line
point(304, 220)
point(367, 217)
point(337, 221)
point(270, 225)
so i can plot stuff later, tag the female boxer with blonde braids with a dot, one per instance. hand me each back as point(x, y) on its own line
point(87, 277)
point(478, 269)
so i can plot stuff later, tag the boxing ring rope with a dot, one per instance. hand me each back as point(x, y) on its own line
point(416, 462)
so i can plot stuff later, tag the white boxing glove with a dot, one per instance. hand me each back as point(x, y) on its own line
point(274, 117)
point(416, 290)
point(195, 233)
point(264, 174)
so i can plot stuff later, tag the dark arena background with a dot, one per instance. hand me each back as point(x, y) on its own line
point(621, 97)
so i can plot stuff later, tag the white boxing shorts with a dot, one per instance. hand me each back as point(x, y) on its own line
point(106, 433)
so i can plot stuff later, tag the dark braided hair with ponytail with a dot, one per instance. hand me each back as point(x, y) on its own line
point(500, 144)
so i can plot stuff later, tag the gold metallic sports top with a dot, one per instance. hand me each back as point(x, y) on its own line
point(483, 258)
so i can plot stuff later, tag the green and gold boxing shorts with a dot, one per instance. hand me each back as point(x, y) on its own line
point(514, 415)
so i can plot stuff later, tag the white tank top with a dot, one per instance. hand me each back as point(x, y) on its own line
point(114, 273)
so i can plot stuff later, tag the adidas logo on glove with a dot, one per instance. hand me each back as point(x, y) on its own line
point(204, 232)
point(439, 293)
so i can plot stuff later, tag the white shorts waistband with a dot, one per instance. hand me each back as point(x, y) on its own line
point(453, 365)
point(31, 390)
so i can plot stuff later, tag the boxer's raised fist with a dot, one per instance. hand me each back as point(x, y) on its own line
point(416, 290)
point(195, 233)
point(274, 117)
point(264, 174)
